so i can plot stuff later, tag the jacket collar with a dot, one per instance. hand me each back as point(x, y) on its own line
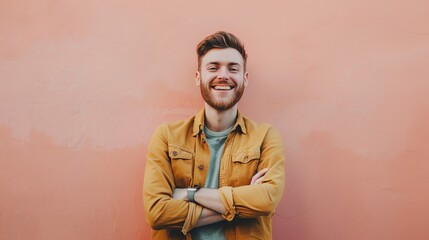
point(199, 123)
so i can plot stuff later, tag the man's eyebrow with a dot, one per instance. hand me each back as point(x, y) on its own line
point(234, 63)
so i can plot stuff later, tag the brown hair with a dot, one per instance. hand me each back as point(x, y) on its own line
point(220, 40)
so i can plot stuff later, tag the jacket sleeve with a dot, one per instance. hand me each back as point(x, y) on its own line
point(162, 210)
point(259, 199)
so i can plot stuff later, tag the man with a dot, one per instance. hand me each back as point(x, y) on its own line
point(217, 175)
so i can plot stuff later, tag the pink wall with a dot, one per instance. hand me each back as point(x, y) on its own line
point(84, 83)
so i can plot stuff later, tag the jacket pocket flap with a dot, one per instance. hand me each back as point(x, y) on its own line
point(245, 156)
point(178, 153)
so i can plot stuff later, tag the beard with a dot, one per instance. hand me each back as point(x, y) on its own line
point(221, 105)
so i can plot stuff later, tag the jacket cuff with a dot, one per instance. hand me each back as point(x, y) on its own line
point(194, 213)
point(228, 202)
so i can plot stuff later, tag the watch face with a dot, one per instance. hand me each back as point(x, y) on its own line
point(190, 193)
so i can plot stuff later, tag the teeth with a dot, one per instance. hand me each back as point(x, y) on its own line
point(222, 87)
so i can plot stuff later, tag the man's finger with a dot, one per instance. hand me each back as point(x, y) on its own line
point(261, 173)
point(258, 175)
point(259, 180)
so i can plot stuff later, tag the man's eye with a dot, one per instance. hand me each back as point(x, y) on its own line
point(233, 69)
point(212, 68)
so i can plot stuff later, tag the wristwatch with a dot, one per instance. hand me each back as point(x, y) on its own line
point(191, 193)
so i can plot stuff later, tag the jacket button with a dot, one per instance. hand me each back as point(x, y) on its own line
point(174, 153)
point(201, 166)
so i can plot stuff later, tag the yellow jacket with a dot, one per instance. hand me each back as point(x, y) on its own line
point(178, 157)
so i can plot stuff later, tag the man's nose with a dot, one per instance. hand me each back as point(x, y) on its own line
point(223, 73)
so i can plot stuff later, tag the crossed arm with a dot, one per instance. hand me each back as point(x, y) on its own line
point(210, 200)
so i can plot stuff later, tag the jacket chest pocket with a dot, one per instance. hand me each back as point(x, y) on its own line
point(244, 165)
point(181, 165)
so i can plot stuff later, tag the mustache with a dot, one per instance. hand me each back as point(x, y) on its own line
point(225, 82)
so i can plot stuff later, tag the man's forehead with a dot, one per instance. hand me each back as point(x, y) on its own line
point(224, 55)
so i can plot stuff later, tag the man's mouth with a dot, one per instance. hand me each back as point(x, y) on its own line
point(222, 87)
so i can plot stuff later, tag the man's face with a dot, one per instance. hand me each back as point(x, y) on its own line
point(222, 78)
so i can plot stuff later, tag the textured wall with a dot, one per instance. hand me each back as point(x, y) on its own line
point(84, 83)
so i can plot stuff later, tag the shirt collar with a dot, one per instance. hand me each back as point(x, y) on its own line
point(199, 123)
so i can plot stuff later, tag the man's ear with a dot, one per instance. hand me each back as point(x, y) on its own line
point(246, 77)
point(197, 78)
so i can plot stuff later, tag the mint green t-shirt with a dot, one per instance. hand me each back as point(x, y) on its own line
point(216, 142)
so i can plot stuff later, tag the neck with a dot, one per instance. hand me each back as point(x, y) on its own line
point(218, 121)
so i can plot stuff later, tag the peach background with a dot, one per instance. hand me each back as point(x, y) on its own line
point(84, 83)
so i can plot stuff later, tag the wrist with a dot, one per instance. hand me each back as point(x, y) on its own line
point(190, 193)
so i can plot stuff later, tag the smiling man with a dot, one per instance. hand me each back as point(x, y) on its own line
point(217, 175)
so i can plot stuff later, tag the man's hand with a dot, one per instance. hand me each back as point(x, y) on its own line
point(180, 194)
point(258, 177)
